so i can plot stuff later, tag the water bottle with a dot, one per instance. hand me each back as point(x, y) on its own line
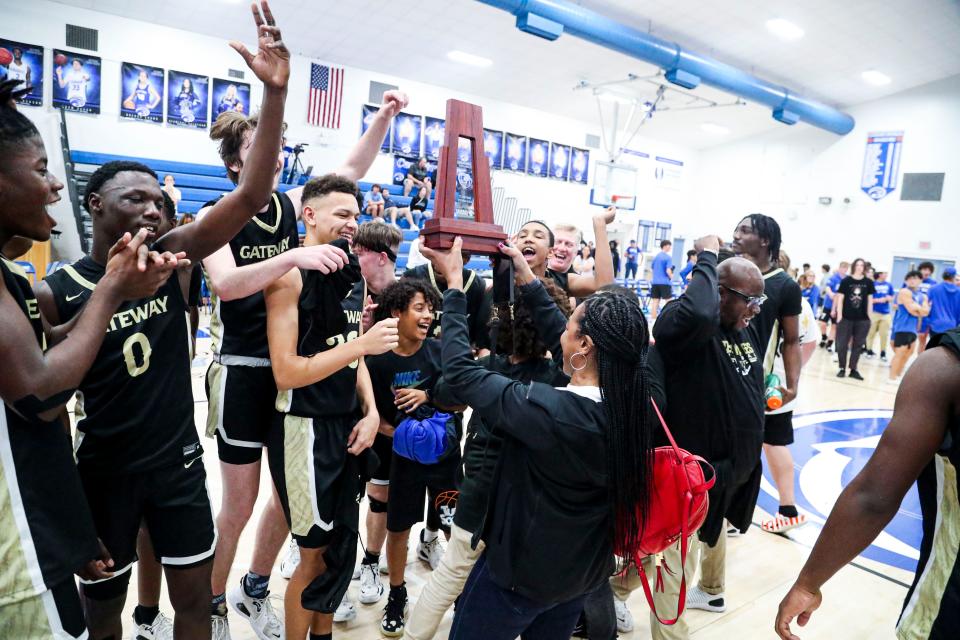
point(772, 394)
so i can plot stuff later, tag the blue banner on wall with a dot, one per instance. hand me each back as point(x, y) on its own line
point(559, 161)
point(432, 137)
point(516, 159)
point(141, 92)
point(368, 112)
point(27, 67)
point(538, 157)
point(579, 165)
point(187, 99)
point(229, 95)
point(881, 164)
point(406, 134)
point(76, 81)
point(493, 147)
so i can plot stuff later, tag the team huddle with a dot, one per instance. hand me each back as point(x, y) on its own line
point(353, 383)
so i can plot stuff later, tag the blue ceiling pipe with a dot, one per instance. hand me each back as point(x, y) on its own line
point(550, 18)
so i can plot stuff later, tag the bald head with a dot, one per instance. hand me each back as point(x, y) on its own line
point(741, 274)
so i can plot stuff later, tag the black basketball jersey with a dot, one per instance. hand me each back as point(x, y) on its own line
point(335, 395)
point(46, 531)
point(137, 396)
point(239, 327)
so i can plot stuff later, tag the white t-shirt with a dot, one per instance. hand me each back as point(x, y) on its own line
point(809, 332)
point(76, 82)
point(17, 71)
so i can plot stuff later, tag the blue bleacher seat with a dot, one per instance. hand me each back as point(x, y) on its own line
point(410, 234)
point(160, 166)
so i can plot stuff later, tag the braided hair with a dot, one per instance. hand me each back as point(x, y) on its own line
point(767, 229)
point(618, 328)
point(15, 127)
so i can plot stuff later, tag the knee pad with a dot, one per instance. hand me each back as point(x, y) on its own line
point(107, 589)
point(377, 506)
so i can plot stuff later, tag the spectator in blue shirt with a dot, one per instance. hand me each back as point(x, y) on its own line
point(828, 315)
point(926, 270)
point(880, 315)
point(373, 202)
point(944, 306)
point(662, 288)
point(810, 290)
point(691, 261)
point(631, 254)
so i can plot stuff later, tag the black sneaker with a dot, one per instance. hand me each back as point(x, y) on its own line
point(391, 625)
point(856, 375)
point(869, 353)
point(842, 373)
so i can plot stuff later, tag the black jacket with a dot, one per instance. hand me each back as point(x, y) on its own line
point(714, 383)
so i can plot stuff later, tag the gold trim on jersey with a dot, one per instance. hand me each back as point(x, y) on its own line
point(79, 279)
point(276, 224)
point(433, 279)
point(15, 269)
point(298, 473)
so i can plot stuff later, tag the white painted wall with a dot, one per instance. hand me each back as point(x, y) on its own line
point(42, 22)
point(783, 173)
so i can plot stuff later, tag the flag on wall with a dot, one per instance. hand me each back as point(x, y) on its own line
point(326, 96)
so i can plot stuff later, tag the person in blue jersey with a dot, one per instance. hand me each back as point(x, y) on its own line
point(944, 306)
point(828, 315)
point(687, 268)
point(632, 260)
point(143, 97)
point(880, 315)
point(926, 270)
point(912, 306)
point(810, 290)
point(661, 289)
point(921, 444)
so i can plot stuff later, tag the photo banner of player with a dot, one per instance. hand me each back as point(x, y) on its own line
point(406, 134)
point(141, 92)
point(367, 112)
point(516, 148)
point(537, 157)
point(432, 137)
point(493, 147)
point(579, 165)
point(24, 62)
point(187, 100)
point(559, 161)
point(76, 81)
point(229, 95)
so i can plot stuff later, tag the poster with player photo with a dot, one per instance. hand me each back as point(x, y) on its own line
point(367, 114)
point(76, 81)
point(187, 99)
point(559, 161)
point(516, 157)
point(24, 62)
point(229, 95)
point(141, 92)
point(406, 134)
point(537, 157)
point(579, 165)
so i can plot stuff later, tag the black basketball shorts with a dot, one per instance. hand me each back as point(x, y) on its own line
point(411, 482)
point(778, 429)
point(241, 407)
point(661, 291)
point(904, 338)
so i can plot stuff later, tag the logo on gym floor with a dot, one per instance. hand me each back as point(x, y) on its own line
point(830, 448)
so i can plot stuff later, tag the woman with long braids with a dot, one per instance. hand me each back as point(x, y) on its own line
point(574, 470)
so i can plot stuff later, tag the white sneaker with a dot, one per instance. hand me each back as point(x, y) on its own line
point(160, 629)
point(258, 612)
point(624, 617)
point(219, 628)
point(699, 599)
point(345, 610)
point(430, 552)
point(290, 561)
point(893, 380)
point(371, 588)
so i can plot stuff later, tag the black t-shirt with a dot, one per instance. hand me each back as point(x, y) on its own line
point(390, 372)
point(479, 303)
point(417, 173)
point(418, 203)
point(784, 299)
point(856, 293)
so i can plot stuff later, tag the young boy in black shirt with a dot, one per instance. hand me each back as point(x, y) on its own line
point(403, 381)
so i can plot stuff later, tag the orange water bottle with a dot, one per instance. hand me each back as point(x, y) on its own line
point(772, 395)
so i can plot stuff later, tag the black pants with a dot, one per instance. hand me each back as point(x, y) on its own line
point(600, 615)
point(851, 334)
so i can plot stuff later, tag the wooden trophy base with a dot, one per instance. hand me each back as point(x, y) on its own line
point(481, 238)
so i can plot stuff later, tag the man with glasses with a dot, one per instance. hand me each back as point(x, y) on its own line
point(713, 363)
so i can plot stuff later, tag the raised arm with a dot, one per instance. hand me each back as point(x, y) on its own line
point(271, 65)
point(549, 320)
point(691, 320)
point(580, 286)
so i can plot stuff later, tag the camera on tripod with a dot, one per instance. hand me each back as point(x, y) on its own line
point(299, 148)
point(296, 172)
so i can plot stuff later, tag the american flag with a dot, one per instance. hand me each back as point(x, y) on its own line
point(326, 96)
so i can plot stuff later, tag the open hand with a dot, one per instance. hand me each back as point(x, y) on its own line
point(409, 399)
point(271, 64)
point(800, 604)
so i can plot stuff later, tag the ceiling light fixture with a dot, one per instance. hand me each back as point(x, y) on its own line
point(469, 58)
point(876, 78)
point(784, 29)
point(714, 128)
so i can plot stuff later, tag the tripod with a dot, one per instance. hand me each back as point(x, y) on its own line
point(296, 167)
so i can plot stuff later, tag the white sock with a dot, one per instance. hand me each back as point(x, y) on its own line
point(428, 535)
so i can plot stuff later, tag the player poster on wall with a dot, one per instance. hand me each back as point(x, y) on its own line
point(228, 95)
point(24, 62)
point(76, 81)
point(579, 165)
point(516, 146)
point(537, 164)
point(493, 147)
point(187, 100)
point(406, 134)
point(141, 92)
point(367, 113)
point(559, 161)
point(432, 137)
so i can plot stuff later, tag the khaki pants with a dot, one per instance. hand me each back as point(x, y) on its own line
point(879, 326)
point(445, 584)
point(712, 576)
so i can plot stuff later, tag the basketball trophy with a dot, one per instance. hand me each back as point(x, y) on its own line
point(464, 204)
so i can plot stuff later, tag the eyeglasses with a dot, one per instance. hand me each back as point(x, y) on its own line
point(752, 301)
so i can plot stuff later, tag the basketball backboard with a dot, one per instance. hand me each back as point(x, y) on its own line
point(614, 184)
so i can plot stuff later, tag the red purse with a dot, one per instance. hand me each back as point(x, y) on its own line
point(677, 508)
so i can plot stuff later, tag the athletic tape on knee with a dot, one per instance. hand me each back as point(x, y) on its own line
point(377, 506)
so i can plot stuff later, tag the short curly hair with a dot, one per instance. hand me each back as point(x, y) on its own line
point(397, 297)
point(518, 337)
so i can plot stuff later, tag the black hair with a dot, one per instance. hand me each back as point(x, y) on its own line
point(926, 264)
point(913, 273)
point(15, 128)
point(545, 226)
point(397, 297)
point(107, 172)
point(517, 335)
point(330, 183)
point(825, 267)
point(618, 328)
point(767, 229)
point(665, 243)
point(691, 253)
point(169, 208)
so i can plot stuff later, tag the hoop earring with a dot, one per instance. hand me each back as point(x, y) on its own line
point(581, 367)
